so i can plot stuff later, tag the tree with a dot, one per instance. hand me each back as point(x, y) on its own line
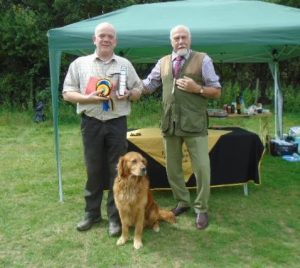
point(24, 70)
point(291, 3)
point(22, 54)
point(24, 73)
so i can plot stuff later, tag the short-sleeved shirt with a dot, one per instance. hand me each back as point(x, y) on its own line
point(84, 68)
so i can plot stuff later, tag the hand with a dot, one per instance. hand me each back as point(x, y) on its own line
point(94, 96)
point(125, 96)
point(187, 84)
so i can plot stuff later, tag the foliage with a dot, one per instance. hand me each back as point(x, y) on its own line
point(229, 94)
point(22, 55)
point(291, 99)
point(291, 3)
point(147, 111)
point(24, 71)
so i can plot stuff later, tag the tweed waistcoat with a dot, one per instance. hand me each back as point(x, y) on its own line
point(184, 113)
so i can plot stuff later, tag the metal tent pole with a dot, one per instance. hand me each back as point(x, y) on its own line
point(54, 58)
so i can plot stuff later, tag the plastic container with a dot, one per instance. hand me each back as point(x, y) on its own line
point(281, 147)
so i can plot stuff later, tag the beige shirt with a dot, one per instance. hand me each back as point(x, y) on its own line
point(85, 67)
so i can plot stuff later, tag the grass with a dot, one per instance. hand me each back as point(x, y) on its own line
point(36, 230)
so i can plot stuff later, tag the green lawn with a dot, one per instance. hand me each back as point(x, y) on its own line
point(36, 230)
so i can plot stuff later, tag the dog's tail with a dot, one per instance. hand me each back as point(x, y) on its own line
point(167, 216)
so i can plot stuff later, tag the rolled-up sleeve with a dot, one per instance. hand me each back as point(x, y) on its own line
point(209, 75)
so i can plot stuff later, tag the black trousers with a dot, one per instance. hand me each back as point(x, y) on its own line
point(104, 143)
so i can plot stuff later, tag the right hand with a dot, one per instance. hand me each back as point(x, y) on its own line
point(93, 97)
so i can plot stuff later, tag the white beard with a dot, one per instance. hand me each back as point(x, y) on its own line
point(182, 52)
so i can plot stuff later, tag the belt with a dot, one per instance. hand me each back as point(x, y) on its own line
point(86, 117)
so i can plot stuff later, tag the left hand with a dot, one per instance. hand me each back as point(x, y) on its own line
point(123, 97)
point(131, 95)
point(187, 84)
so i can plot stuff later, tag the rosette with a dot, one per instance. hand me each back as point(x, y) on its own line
point(104, 87)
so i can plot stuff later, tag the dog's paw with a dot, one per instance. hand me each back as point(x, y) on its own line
point(121, 241)
point(137, 244)
point(156, 227)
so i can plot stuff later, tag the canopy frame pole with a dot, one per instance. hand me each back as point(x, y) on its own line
point(275, 98)
point(278, 98)
point(54, 59)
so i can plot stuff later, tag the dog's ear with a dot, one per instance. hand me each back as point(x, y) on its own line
point(145, 161)
point(122, 167)
point(119, 167)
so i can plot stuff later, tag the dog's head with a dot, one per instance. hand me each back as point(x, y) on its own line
point(132, 163)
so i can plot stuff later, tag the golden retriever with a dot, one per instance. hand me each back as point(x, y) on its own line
point(134, 199)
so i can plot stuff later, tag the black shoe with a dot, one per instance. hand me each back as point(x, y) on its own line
point(87, 223)
point(114, 228)
point(179, 210)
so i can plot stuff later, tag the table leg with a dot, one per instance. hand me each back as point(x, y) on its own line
point(263, 129)
point(245, 186)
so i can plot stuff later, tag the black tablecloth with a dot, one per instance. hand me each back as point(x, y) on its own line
point(235, 159)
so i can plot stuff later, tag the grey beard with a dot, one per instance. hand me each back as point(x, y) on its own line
point(182, 52)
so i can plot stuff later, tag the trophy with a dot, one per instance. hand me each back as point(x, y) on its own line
point(122, 80)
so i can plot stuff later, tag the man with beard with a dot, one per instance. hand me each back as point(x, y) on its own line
point(188, 79)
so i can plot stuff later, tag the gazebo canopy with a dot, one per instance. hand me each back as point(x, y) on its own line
point(228, 30)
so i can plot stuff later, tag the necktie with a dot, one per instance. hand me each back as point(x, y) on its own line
point(177, 67)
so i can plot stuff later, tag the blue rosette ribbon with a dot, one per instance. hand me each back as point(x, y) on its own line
point(104, 87)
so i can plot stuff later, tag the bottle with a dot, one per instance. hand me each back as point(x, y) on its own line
point(242, 105)
point(232, 108)
point(228, 109)
point(238, 104)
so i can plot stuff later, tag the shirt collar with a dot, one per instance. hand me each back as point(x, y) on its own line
point(96, 57)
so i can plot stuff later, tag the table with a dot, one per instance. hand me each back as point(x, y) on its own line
point(235, 156)
point(264, 122)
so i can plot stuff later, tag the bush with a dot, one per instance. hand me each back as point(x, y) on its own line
point(230, 92)
point(291, 99)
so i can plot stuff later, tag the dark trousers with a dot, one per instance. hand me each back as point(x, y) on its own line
point(104, 143)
